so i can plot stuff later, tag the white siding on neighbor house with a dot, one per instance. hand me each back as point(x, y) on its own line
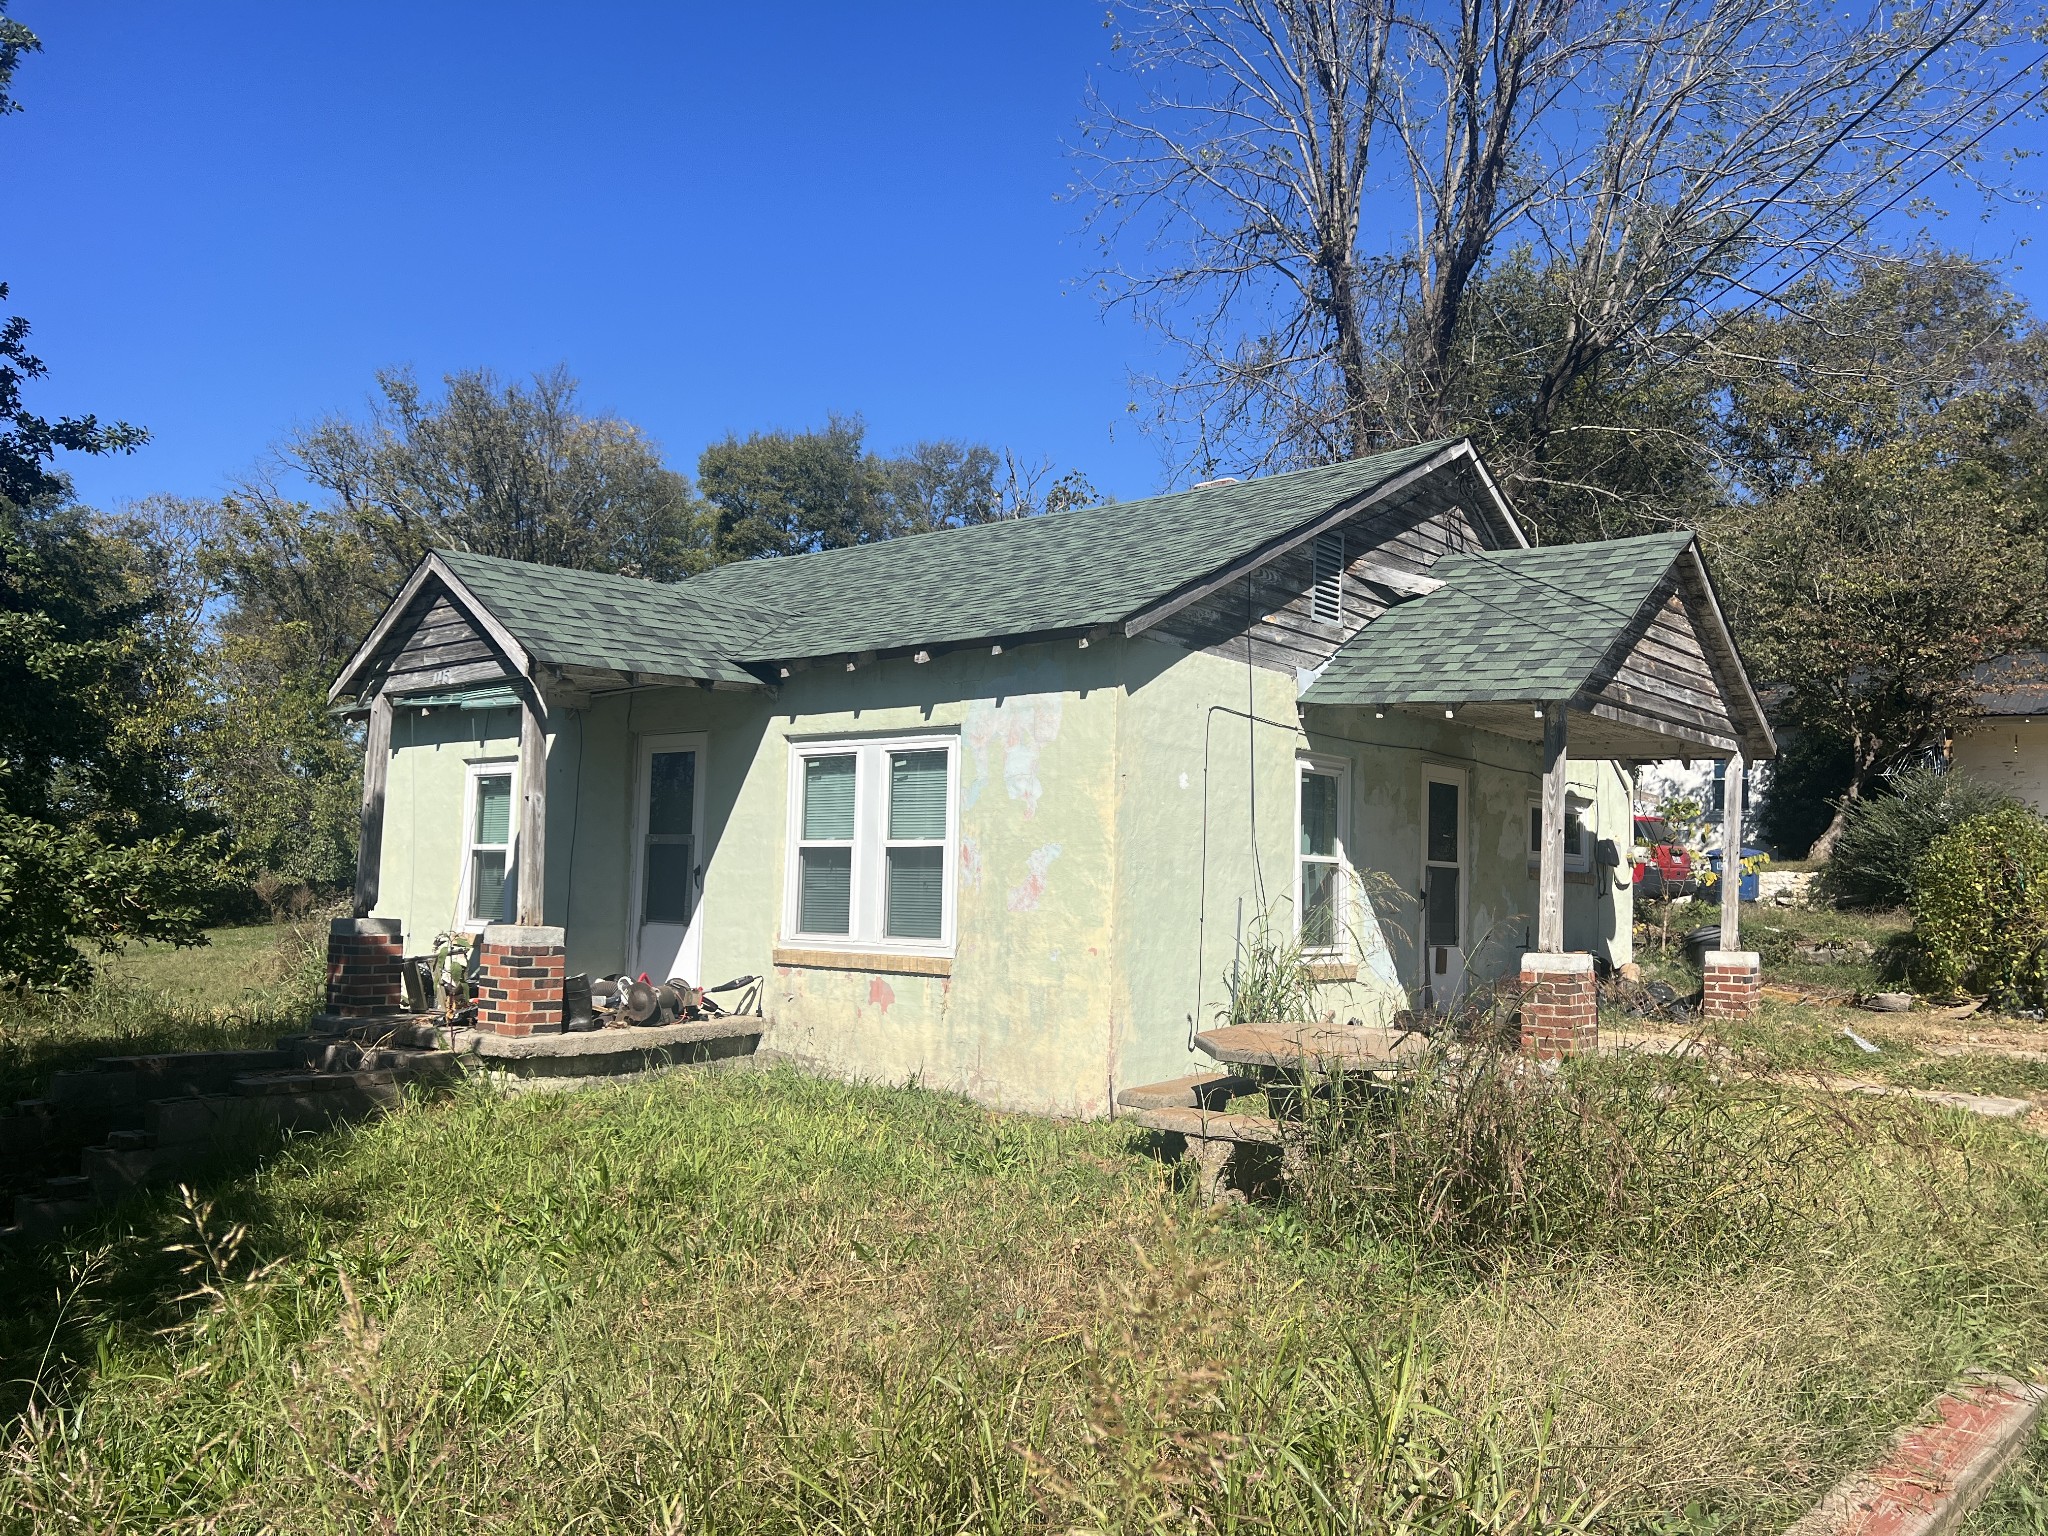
point(2010, 752)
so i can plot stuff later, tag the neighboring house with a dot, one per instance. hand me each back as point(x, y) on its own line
point(996, 806)
point(2007, 743)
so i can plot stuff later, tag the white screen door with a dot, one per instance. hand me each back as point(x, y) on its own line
point(1443, 886)
point(668, 859)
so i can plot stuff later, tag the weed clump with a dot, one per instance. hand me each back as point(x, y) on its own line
point(1647, 1158)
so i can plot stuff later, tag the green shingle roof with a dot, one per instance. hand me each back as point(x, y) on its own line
point(1063, 572)
point(586, 619)
point(1514, 624)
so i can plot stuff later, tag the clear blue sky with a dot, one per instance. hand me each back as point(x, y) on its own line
point(719, 218)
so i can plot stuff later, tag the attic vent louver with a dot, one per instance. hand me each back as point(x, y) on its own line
point(1328, 592)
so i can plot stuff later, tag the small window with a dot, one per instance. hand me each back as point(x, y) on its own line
point(1329, 577)
point(1319, 865)
point(873, 844)
point(487, 851)
point(1578, 833)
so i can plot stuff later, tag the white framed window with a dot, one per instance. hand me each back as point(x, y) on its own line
point(1579, 832)
point(1322, 810)
point(1327, 598)
point(487, 838)
point(873, 844)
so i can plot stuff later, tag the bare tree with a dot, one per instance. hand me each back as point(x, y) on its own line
point(1659, 159)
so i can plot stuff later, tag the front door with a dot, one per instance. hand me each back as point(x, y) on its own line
point(668, 859)
point(1443, 886)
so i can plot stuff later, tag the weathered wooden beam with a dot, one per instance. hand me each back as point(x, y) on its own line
point(1550, 861)
point(370, 827)
point(1731, 856)
point(533, 809)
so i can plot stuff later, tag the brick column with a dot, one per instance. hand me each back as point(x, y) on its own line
point(1733, 984)
point(364, 973)
point(518, 980)
point(1560, 1008)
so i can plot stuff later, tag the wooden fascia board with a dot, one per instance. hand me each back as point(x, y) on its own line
point(1504, 510)
point(1272, 549)
point(1716, 746)
point(1722, 641)
point(431, 566)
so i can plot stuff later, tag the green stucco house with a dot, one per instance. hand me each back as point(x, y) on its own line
point(995, 806)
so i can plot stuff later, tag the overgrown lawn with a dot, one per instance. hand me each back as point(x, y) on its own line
point(757, 1301)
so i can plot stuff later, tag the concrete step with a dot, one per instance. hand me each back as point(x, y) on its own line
point(129, 1141)
point(178, 1072)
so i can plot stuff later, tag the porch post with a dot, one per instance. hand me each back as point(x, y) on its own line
point(1732, 985)
point(1731, 855)
point(533, 806)
point(370, 826)
point(1550, 860)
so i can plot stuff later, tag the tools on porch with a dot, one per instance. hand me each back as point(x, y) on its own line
point(618, 1002)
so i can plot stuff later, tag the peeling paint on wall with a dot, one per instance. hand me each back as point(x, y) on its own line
point(1037, 879)
point(880, 993)
point(1018, 728)
point(970, 864)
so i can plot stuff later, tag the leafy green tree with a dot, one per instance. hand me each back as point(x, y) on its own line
point(791, 493)
point(501, 469)
point(1889, 532)
point(96, 845)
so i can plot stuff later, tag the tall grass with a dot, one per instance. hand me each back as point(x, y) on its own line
point(119, 1014)
point(744, 1303)
point(1637, 1155)
point(756, 1301)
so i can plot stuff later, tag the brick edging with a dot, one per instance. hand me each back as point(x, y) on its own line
point(1937, 1470)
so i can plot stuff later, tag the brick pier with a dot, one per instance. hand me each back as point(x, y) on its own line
point(518, 980)
point(1733, 983)
point(364, 973)
point(1560, 1007)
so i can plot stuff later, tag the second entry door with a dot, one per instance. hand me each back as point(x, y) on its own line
point(1443, 886)
point(668, 863)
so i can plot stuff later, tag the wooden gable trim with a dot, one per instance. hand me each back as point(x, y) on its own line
point(1504, 513)
point(435, 569)
point(1675, 707)
point(1272, 549)
point(1758, 740)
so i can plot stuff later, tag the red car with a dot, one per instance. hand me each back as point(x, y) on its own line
point(1663, 868)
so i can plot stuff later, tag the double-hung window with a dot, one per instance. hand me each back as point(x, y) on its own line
point(1319, 862)
point(487, 845)
point(874, 829)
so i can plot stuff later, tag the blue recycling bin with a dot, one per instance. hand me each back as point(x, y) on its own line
point(1750, 887)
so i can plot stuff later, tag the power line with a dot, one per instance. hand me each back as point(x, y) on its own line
point(1728, 317)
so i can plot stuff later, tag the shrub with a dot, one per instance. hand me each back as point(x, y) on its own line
point(1883, 840)
point(1980, 920)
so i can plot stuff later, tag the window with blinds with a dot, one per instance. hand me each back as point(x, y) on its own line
point(1319, 857)
point(487, 858)
point(874, 843)
point(1328, 591)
